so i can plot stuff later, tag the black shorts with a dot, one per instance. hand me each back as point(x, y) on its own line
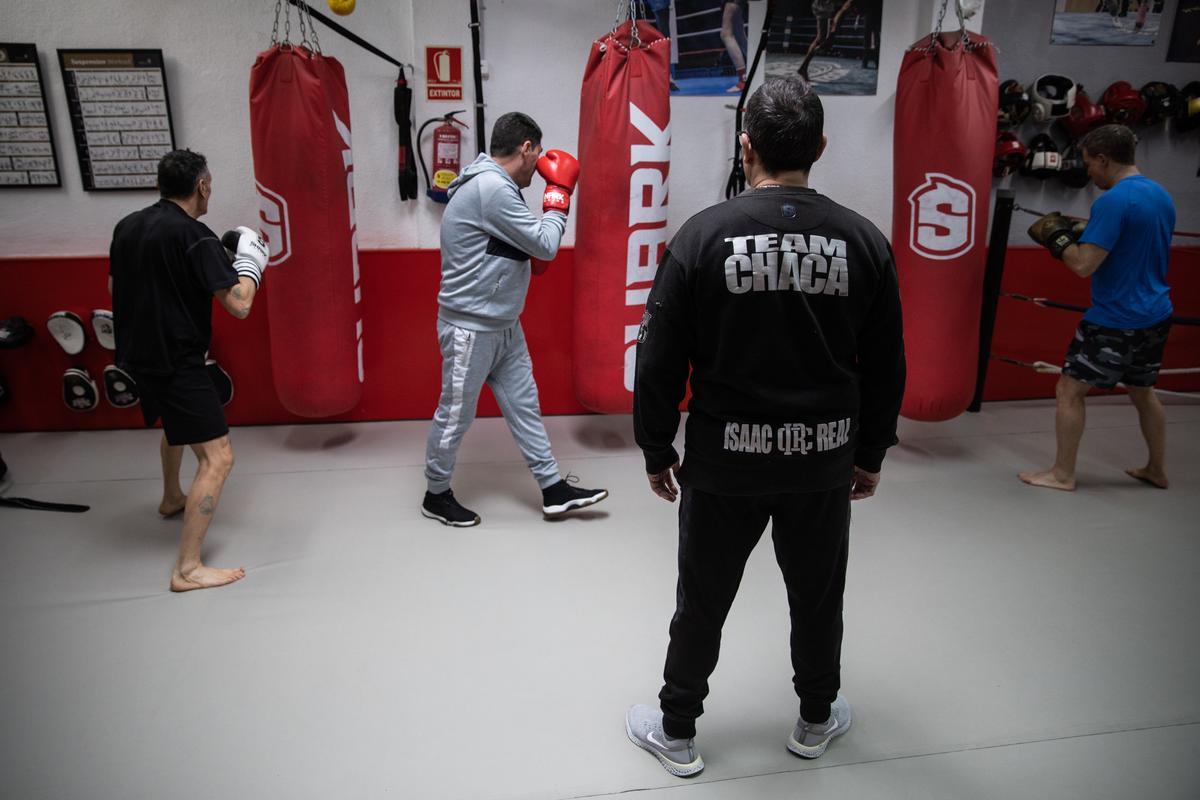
point(1103, 357)
point(186, 401)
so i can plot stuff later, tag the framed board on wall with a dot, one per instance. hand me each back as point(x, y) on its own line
point(1185, 34)
point(27, 154)
point(120, 115)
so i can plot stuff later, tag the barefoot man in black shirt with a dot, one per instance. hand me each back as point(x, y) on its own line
point(784, 306)
point(165, 268)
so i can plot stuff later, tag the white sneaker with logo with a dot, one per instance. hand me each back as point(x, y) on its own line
point(643, 724)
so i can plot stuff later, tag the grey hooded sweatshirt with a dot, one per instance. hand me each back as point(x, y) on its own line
point(488, 236)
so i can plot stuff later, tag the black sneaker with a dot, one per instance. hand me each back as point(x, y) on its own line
point(562, 497)
point(446, 510)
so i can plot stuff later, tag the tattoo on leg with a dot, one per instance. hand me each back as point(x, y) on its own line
point(207, 505)
point(237, 292)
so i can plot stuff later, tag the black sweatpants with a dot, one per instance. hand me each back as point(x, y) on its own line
point(716, 535)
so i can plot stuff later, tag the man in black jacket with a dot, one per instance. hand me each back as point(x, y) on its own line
point(785, 307)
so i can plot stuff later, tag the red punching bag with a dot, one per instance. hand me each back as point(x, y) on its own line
point(621, 227)
point(304, 172)
point(946, 107)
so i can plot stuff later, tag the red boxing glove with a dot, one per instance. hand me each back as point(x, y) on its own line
point(556, 199)
point(561, 172)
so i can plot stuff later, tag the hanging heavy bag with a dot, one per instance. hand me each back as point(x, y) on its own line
point(946, 107)
point(621, 228)
point(304, 173)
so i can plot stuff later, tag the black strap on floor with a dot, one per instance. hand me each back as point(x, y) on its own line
point(737, 176)
point(41, 505)
point(354, 37)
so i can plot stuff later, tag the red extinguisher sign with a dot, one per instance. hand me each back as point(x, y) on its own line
point(443, 73)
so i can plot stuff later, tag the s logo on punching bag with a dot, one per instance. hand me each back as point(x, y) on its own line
point(943, 217)
point(273, 224)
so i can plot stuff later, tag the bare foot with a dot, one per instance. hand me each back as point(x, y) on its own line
point(1047, 480)
point(172, 506)
point(1143, 474)
point(204, 578)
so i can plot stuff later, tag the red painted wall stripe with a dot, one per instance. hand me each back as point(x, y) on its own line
point(403, 364)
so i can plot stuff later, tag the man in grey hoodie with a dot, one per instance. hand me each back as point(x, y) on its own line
point(488, 236)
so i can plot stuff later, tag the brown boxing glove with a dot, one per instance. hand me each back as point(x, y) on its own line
point(1055, 232)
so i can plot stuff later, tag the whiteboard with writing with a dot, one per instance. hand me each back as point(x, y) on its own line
point(120, 115)
point(27, 155)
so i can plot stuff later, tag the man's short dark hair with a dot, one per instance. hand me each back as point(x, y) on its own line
point(511, 131)
point(784, 121)
point(1115, 141)
point(178, 173)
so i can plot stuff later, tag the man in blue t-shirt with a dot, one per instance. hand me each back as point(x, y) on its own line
point(1124, 248)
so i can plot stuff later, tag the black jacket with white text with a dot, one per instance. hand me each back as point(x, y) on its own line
point(786, 308)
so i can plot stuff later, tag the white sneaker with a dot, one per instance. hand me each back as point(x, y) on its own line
point(643, 725)
point(809, 739)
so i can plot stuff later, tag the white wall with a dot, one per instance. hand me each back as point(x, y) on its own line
point(209, 47)
point(535, 50)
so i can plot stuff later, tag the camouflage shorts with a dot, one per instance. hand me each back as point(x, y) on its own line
point(1103, 357)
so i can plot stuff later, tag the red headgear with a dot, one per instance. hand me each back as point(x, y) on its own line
point(1123, 104)
point(1010, 154)
point(1084, 115)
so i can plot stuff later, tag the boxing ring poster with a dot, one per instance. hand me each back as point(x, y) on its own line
point(27, 155)
point(120, 115)
point(1106, 22)
point(709, 41)
point(831, 44)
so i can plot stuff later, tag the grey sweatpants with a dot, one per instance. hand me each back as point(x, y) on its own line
point(501, 359)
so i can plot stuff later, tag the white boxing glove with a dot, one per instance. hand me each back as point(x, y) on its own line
point(250, 253)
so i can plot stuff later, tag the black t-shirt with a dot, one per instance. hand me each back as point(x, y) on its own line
point(165, 267)
point(786, 307)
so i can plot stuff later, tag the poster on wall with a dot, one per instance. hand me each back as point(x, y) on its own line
point(1185, 33)
point(831, 44)
point(27, 154)
point(709, 47)
point(1106, 22)
point(120, 115)
point(443, 73)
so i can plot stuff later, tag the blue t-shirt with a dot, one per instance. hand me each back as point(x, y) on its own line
point(1133, 221)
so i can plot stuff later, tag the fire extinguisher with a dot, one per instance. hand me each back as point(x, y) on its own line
point(447, 155)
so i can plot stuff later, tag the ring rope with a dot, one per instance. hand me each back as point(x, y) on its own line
point(1044, 302)
point(1084, 219)
point(1046, 368)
